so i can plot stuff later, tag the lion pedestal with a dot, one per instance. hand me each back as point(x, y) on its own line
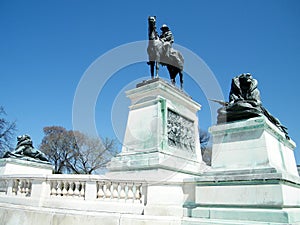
point(25, 159)
point(12, 166)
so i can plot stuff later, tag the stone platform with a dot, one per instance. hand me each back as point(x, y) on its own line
point(253, 176)
point(253, 144)
point(159, 177)
point(161, 134)
point(21, 166)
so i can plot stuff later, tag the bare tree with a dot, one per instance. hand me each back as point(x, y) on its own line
point(74, 152)
point(92, 154)
point(206, 148)
point(7, 132)
point(59, 145)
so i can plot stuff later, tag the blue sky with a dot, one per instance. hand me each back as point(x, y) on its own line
point(46, 47)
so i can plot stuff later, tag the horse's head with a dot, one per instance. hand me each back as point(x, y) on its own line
point(152, 28)
point(152, 21)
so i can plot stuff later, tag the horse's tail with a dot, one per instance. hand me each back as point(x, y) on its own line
point(177, 59)
point(180, 56)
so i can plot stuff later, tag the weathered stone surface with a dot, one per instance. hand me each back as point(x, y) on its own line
point(251, 145)
point(162, 131)
point(20, 166)
point(253, 176)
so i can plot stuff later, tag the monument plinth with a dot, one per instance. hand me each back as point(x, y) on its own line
point(162, 131)
point(253, 177)
point(21, 166)
point(25, 159)
point(253, 174)
point(255, 145)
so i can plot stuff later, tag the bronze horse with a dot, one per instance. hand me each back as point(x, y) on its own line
point(160, 53)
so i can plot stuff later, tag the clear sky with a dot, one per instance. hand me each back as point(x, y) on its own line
point(46, 47)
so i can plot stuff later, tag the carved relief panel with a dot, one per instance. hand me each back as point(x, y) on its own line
point(181, 132)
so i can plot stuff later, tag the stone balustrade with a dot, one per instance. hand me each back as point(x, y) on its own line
point(15, 186)
point(78, 187)
point(67, 188)
point(3, 186)
point(22, 187)
point(120, 191)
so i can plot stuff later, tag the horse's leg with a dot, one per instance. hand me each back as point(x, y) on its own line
point(152, 64)
point(172, 74)
point(157, 68)
point(173, 81)
point(181, 79)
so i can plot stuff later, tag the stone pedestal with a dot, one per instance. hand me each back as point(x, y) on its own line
point(11, 166)
point(161, 134)
point(161, 145)
point(253, 177)
point(253, 144)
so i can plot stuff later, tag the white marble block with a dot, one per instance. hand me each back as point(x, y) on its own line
point(162, 130)
point(253, 144)
point(253, 176)
point(18, 166)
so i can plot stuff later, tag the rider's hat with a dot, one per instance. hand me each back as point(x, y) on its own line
point(164, 27)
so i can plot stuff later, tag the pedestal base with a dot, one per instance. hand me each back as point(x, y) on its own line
point(253, 144)
point(154, 166)
point(19, 166)
point(161, 133)
point(265, 197)
point(253, 177)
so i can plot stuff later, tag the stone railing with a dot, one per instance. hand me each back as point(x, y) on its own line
point(69, 190)
point(104, 189)
point(95, 195)
point(3, 186)
point(15, 186)
point(22, 187)
point(120, 191)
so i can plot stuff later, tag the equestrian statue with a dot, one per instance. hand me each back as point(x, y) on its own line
point(160, 51)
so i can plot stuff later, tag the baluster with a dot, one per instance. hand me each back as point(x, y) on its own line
point(130, 194)
point(28, 188)
point(65, 188)
point(107, 191)
point(59, 188)
point(141, 194)
point(71, 189)
point(76, 189)
point(21, 188)
point(15, 186)
point(100, 192)
point(111, 190)
point(82, 190)
point(104, 190)
point(122, 192)
point(53, 188)
point(115, 194)
point(5, 187)
point(138, 193)
point(126, 191)
point(134, 189)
